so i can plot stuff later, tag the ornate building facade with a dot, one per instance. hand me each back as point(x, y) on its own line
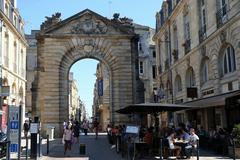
point(74, 99)
point(198, 59)
point(12, 55)
point(146, 60)
point(101, 99)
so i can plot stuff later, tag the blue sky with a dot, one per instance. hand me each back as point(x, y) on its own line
point(33, 12)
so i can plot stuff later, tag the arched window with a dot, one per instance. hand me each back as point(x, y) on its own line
point(190, 78)
point(178, 84)
point(229, 62)
point(205, 70)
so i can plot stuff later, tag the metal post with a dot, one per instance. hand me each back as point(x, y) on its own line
point(47, 144)
point(197, 149)
point(26, 147)
point(40, 146)
point(8, 134)
point(161, 157)
point(19, 131)
point(234, 156)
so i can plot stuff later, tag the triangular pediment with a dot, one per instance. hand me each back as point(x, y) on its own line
point(85, 22)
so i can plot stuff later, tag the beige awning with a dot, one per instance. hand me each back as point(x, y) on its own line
point(218, 100)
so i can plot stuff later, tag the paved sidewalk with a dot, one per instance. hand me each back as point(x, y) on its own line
point(95, 150)
point(98, 150)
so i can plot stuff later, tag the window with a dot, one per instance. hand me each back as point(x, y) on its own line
point(175, 38)
point(204, 71)
point(186, 27)
point(229, 62)
point(139, 46)
point(203, 17)
point(140, 67)
point(15, 21)
point(154, 72)
point(154, 54)
point(6, 50)
point(190, 79)
point(13, 88)
point(6, 10)
point(186, 22)
point(178, 84)
point(223, 7)
point(15, 58)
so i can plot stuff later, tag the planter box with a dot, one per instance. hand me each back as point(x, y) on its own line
point(230, 152)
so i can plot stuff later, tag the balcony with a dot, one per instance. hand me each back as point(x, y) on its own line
point(187, 46)
point(222, 16)
point(167, 64)
point(175, 54)
point(202, 33)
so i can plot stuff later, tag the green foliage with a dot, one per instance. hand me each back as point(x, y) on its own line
point(236, 134)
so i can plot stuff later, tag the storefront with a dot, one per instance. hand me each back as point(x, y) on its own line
point(221, 111)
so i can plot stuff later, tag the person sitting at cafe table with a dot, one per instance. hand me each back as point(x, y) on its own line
point(184, 135)
point(176, 149)
point(192, 144)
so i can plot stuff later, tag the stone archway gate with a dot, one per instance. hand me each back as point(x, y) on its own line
point(84, 35)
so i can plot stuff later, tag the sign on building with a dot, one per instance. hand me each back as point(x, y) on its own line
point(14, 121)
point(100, 87)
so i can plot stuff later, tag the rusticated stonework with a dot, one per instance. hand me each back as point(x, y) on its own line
point(84, 35)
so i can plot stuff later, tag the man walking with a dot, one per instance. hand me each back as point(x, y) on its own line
point(96, 124)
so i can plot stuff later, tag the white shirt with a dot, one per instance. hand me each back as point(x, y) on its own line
point(170, 142)
point(193, 140)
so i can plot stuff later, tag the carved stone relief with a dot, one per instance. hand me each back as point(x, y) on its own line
point(89, 25)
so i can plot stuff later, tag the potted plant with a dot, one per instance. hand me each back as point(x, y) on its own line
point(236, 140)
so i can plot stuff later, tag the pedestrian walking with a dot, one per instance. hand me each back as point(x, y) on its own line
point(67, 138)
point(85, 128)
point(76, 128)
point(26, 128)
point(96, 127)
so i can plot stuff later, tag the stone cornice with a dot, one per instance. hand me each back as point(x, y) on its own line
point(84, 36)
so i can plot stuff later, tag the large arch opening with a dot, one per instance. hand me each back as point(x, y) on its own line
point(89, 92)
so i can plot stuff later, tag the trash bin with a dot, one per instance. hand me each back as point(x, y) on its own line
point(82, 149)
point(50, 132)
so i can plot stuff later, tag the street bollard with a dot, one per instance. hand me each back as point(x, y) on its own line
point(161, 141)
point(234, 152)
point(40, 147)
point(26, 147)
point(47, 144)
point(197, 149)
point(8, 150)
